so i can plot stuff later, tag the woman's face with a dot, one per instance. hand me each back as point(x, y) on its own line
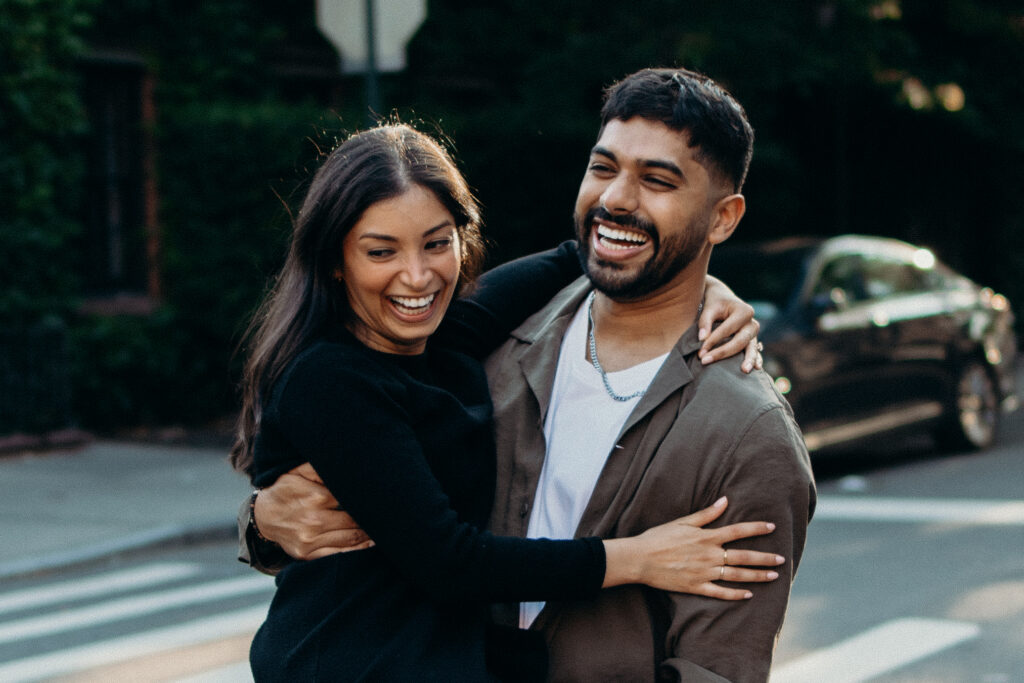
point(400, 269)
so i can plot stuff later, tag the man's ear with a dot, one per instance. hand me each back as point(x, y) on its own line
point(725, 216)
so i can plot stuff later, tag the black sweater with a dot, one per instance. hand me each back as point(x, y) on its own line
point(405, 444)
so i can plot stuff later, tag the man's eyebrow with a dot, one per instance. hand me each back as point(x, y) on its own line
point(647, 163)
point(662, 164)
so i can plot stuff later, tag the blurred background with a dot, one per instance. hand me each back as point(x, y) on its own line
point(151, 151)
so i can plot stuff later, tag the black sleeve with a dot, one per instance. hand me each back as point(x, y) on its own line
point(505, 296)
point(349, 426)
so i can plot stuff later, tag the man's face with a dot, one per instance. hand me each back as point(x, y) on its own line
point(644, 208)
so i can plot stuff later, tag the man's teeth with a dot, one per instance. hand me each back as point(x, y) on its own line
point(633, 238)
point(412, 304)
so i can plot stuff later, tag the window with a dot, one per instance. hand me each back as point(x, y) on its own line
point(887, 276)
point(113, 243)
point(844, 272)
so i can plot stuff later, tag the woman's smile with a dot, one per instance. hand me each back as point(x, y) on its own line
point(414, 306)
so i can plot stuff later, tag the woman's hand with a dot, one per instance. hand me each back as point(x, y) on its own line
point(680, 556)
point(737, 331)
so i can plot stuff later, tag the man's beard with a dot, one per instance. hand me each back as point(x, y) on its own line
point(670, 256)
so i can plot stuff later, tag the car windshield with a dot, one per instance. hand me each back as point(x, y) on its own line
point(765, 276)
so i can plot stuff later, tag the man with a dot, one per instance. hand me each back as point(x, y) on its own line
point(606, 382)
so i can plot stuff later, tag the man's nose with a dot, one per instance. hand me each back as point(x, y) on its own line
point(620, 196)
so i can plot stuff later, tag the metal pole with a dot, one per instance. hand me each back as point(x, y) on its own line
point(372, 89)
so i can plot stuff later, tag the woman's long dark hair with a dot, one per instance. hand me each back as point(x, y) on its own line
point(369, 167)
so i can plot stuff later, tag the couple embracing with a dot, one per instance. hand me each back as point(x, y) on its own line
point(567, 438)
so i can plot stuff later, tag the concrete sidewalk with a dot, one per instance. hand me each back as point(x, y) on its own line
point(59, 508)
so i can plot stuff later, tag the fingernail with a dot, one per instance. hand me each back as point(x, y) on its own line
point(702, 334)
point(779, 559)
point(705, 359)
point(771, 527)
point(720, 502)
point(746, 367)
point(748, 595)
point(773, 575)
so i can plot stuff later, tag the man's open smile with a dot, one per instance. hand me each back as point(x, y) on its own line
point(618, 238)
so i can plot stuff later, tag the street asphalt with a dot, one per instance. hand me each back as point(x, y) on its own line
point(70, 506)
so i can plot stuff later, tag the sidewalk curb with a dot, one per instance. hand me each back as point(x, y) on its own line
point(167, 536)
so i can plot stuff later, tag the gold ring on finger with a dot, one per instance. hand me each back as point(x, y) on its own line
point(760, 347)
point(721, 574)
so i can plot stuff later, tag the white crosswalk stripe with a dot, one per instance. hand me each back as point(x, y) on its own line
point(110, 651)
point(67, 627)
point(108, 583)
point(891, 645)
point(126, 608)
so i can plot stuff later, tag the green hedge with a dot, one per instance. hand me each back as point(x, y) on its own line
point(126, 369)
point(35, 390)
point(41, 118)
point(227, 174)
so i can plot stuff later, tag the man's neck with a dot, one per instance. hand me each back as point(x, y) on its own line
point(631, 332)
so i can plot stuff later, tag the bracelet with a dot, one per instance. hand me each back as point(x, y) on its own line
point(252, 517)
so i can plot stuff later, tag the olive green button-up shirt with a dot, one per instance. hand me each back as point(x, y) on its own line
point(699, 433)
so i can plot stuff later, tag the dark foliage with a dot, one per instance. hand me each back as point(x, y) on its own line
point(854, 103)
point(40, 121)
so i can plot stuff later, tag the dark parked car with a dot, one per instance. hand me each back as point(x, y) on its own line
point(868, 335)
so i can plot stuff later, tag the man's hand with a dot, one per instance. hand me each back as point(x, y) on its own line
point(298, 513)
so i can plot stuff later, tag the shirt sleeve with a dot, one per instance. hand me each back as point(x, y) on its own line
point(505, 296)
point(350, 427)
point(768, 478)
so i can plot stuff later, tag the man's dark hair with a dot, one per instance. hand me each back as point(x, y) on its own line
point(691, 102)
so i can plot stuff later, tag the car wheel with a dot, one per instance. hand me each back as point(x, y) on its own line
point(974, 416)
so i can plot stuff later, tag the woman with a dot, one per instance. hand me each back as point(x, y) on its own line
point(342, 376)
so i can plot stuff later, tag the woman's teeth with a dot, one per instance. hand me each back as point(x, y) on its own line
point(411, 304)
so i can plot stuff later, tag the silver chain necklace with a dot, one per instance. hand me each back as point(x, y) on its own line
point(597, 364)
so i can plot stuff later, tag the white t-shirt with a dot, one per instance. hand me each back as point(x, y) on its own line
point(580, 429)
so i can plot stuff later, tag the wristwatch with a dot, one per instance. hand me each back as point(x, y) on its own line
point(252, 528)
point(264, 555)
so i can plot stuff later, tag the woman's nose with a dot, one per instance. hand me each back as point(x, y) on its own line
point(416, 273)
